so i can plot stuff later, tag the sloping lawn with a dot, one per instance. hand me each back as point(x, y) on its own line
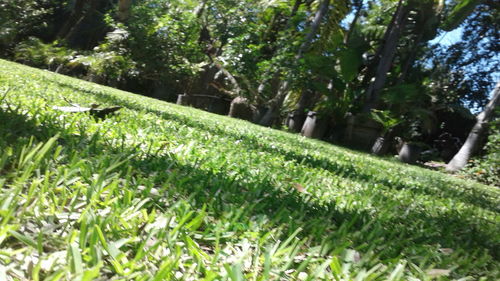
point(163, 192)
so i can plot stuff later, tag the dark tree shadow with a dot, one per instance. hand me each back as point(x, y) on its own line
point(16, 125)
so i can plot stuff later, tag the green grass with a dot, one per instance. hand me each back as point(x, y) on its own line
point(163, 192)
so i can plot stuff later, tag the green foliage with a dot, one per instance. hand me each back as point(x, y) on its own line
point(162, 41)
point(162, 192)
point(36, 53)
point(22, 18)
point(108, 62)
point(384, 118)
point(460, 12)
point(350, 61)
point(110, 66)
point(409, 104)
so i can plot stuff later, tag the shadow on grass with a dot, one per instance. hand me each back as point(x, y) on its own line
point(346, 170)
point(14, 126)
point(390, 235)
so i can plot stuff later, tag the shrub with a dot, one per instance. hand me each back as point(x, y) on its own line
point(36, 53)
point(106, 66)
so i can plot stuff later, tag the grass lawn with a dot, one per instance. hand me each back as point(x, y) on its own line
point(164, 192)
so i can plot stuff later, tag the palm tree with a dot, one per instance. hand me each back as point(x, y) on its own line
point(471, 144)
point(276, 103)
point(386, 53)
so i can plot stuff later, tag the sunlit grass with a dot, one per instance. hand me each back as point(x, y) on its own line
point(162, 192)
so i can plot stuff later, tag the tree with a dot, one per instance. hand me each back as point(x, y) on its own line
point(469, 65)
point(124, 10)
point(77, 14)
point(23, 18)
point(387, 53)
point(220, 23)
point(471, 144)
point(276, 103)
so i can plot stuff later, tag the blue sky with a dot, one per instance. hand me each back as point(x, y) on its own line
point(444, 38)
point(448, 38)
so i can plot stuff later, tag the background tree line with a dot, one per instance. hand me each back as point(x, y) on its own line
point(355, 72)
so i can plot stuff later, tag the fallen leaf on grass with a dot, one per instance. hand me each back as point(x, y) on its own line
point(436, 272)
point(446, 251)
point(299, 187)
point(98, 112)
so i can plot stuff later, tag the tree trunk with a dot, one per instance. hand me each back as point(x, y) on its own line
point(76, 14)
point(306, 95)
point(305, 100)
point(236, 86)
point(320, 13)
point(390, 44)
point(124, 10)
point(83, 9)
point(359, 7)
point(277, 101)
point(370, 69)
point(471, 144)
point(200, 9)
point(411, 58)
point(383, 143)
